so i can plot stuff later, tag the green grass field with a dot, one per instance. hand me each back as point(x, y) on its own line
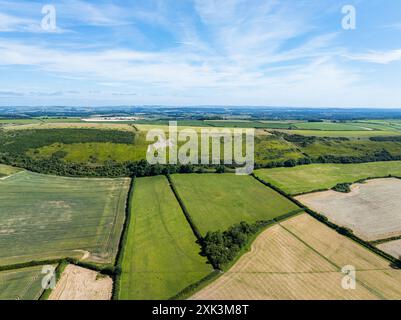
point(346, 134)
point(331, 126)
point(44, 217)
point(21, 284)
point(217, 201)
point(161, 257)
point(39, 120)
point(313, 177)
point(7, 170)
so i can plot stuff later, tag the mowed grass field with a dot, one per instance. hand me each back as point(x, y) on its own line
point(161, 256)
point(301, 259)
point(44, 217)
point(217, 201)
point(21, 284)
point(308, 178)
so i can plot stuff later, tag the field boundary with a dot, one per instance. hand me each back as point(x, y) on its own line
point(190, 221)
point(195, 287)
point(184, 209)
point(396, 263)
point(122, 242)
point(216, 273)
point(381, 241)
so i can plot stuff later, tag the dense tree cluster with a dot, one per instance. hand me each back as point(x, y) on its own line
point(383, 139)
point(223, 247)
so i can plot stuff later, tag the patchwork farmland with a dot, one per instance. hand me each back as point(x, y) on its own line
point(217, 201)
point(47, 217)
point(301, 258)
point(52, 217)
point(161, 256)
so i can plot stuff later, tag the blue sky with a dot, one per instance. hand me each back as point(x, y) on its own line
point(201, 52)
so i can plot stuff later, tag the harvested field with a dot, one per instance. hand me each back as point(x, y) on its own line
point(45, 217)
point(21, 284)
point(161, 256)
point(335, 247)
point(392, 247)
point(302, 259)
point(372, 209)
point(72, 125)
point(276, 286)
point(217, 201)
point(78, 283)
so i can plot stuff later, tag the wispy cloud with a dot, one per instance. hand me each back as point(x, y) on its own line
point(9, 23)
point(190, 52)
point(380, 57)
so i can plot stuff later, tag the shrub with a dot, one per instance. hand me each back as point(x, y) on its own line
point(342, 187)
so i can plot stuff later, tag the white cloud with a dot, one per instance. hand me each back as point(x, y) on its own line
point(230, 53)
point(380, 57)
point(10, 23)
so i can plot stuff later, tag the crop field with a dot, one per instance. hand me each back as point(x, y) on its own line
point(332, 126)
point(161, 256)
point(71, 125)
point(392, 248)
point(39, 120)
point(78, 283)
point(217, 201)
point(302, 259)
point(344, 133)
point(372, 210)
point(44, 217)
point(308, 178)
point(21, 284)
